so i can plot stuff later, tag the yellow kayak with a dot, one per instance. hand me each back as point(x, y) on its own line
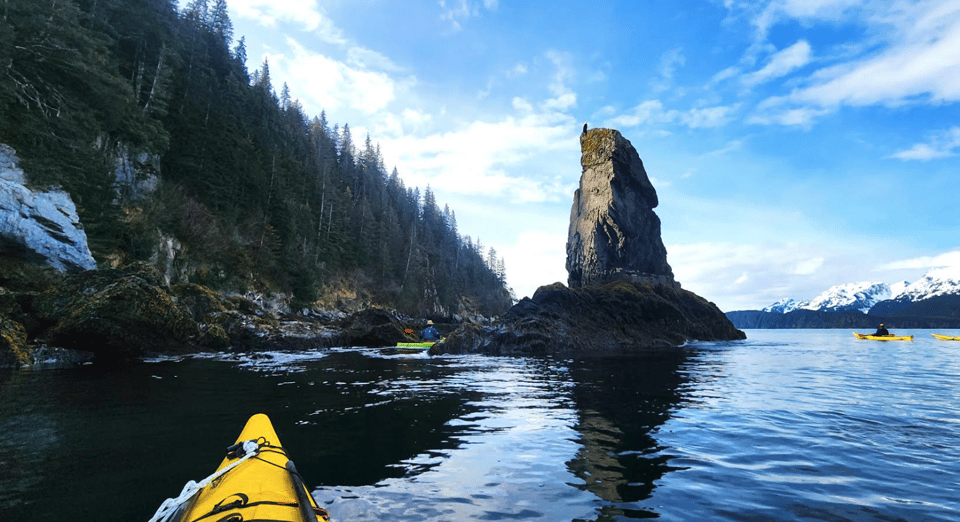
point(255, 481)
point(883, 337)
point(946, 337)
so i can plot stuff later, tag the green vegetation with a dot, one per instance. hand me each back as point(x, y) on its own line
point(258, 194)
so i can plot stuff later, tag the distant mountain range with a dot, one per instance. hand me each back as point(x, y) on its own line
point(933, 301)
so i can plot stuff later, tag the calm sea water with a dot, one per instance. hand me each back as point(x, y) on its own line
point(787, 425)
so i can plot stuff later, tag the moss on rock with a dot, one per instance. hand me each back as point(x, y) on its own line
point(117, 313)
point(14, 350)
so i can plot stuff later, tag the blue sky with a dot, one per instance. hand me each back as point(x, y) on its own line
point(794, 144)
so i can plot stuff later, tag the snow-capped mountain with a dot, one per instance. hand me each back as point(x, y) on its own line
point(939, 281)
point(785, 305)
point(865, 295)
point(849, 297)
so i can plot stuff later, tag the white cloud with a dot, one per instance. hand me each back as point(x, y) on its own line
point(743, 276)
point(778, 11)
point(535, 259)
point(416, 117)
point(707, 116)
point(652, 112)
point(459, 11)
point(949, 259)
point(522, 105)
point(669, 62)
point(563, 97)
point(942, 145)
point(725, 74)
point(800, 117)
point(731, 146)
point(781, 64)
point(476, 158)
point(915, 59)
point(649, 111)
point(518, 70)
point(808, 266)
point(945, 265)
point(305, 13)
point(363, 58)
point(324, 83)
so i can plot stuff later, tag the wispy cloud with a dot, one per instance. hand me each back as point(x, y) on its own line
point(741, 276)
point(781, 64)
point(652, 112)
point(943, 145)
point(777, 11)
point(563, 96)
point(669, 62)
point(949, 259)
point(457, 12)
point(916, 61)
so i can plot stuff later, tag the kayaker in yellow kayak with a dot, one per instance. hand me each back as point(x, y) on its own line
point(881, 332)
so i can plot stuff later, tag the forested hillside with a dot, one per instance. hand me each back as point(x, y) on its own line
point(256, 193)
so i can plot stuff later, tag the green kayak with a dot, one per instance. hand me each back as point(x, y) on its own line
point(426, 344)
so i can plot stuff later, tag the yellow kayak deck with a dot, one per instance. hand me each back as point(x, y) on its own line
point(946, 337)
point(263, 487)
point(883, 337)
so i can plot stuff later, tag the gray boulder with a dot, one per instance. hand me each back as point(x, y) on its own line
point(614, 234)
point(39, 226)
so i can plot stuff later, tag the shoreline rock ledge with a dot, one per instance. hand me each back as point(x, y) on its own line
point(622, 296)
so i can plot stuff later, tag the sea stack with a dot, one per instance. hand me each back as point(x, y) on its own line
point(622, 296)
point(614, 234)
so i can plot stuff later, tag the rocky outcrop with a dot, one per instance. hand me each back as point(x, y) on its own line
point(136, 172)
point(373, 327)
point(116, 314)
point(39, 226)
point(622, 296)
point(14, 350)
point(614, 233)
point(616, 318)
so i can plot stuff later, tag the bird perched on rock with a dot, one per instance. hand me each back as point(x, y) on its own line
point(584, 127)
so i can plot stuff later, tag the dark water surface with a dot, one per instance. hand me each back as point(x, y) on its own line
point(787, 425)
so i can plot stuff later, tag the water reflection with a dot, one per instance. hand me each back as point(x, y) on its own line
point(621, 403)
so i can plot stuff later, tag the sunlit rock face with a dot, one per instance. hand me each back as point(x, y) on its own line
point(39, 226)
point(614, 234)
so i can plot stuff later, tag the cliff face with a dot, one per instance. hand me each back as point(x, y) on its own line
point(614, 233)
point(39, 226)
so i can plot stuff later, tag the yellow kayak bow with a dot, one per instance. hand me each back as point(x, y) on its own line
point(255, 481)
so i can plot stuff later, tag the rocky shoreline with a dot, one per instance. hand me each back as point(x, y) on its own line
point(123, 314)
point(622, 296)
point(621, 317)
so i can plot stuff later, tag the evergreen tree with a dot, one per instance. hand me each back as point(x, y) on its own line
point(250, 185)
point(220, 22)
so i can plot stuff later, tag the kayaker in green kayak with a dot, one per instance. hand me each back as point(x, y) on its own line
point(430, 333)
